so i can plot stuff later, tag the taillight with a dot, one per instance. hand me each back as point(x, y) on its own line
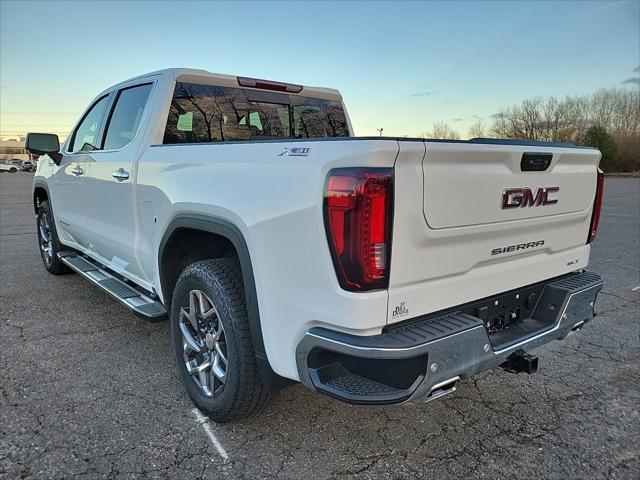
point(358, 206)
point(597, 207)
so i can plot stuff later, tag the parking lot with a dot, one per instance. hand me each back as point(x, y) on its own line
point(89, 390)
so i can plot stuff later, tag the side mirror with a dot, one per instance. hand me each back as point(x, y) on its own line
point(44, 144)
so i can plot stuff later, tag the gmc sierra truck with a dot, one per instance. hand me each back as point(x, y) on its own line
point(375, 270)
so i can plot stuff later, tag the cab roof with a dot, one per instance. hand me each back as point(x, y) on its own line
point(203, 76)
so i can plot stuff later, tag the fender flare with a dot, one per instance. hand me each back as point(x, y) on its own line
point(224, 228)
point(40, 184)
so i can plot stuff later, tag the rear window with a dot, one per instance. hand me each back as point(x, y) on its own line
point(208, 113)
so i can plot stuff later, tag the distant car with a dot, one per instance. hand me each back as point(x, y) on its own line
point(8, 168)
point(26, 166)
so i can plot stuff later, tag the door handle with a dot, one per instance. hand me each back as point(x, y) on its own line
point(77, 171)
point(120, 174)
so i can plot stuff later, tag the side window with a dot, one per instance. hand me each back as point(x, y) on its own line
point(125, 117)
point(85, 137)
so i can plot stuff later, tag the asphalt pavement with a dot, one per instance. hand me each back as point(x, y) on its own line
point(89, 390)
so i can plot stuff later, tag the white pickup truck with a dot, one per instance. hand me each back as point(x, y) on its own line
point(374, 270)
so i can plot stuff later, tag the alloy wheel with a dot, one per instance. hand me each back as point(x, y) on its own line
point(44, 236)
point(204, 344)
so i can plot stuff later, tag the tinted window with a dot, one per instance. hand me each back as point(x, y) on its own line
point(208, 113)
point(313, 117)
point(85, 137)
point(126, 115)
point(269, 119)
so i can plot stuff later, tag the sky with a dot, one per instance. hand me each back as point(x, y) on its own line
point(400, 66)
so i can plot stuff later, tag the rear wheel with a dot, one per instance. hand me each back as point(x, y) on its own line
point(210, 332)
point(48, 240)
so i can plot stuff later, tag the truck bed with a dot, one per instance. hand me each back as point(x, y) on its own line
point(447, 208)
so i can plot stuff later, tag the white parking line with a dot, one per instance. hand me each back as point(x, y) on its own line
point(204, 421)
point(636, 288)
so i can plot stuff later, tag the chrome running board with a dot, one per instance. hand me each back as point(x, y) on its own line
point(137, 301)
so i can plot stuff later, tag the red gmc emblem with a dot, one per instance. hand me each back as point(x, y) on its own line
point(526, 197)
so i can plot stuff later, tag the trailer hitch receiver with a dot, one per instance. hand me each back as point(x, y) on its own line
point(520, 361)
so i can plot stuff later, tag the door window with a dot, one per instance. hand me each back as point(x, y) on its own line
point(125, 117)
point(85, 138)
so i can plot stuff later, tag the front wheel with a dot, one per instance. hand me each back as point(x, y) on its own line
point(212, 341)
point(48, 240)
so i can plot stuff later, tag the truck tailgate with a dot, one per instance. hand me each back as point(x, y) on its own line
point(463, 184)
point(470, 223)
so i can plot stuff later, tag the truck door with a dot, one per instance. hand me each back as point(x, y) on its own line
point(69, 178)
point(109, 192)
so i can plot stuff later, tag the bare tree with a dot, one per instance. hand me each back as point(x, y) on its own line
point(568, 120)
point(616, 110)
point(442, 131)
point(478, 129)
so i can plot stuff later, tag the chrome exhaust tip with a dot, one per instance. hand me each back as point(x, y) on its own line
point(441, 389)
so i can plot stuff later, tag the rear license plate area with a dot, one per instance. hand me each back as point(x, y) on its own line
point(506, 311)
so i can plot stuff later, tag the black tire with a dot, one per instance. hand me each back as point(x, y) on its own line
point(49, 255)
point(243, 392)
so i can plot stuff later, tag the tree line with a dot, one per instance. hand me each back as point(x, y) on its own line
point(608, 120)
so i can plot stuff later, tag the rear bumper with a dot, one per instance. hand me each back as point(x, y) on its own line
point(424, 358)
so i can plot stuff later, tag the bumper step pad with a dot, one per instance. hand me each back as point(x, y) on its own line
point(136, 300)
point(408, 335)
point(359, 386)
